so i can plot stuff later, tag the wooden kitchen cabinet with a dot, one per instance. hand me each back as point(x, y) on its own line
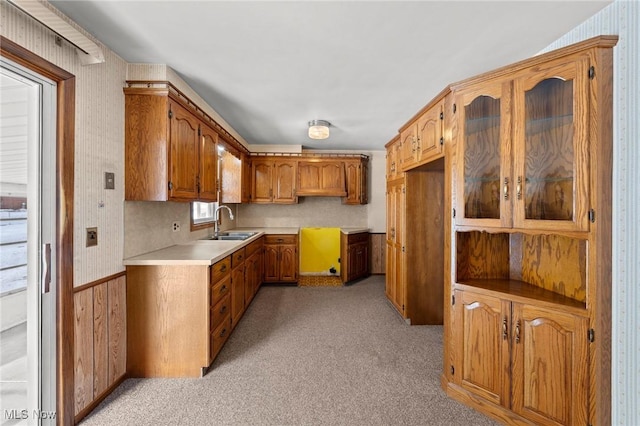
point(273, 180)
point(531, 239)
point(392, 158)
point(168, 149)
point(245, 192)
point(321, 177)
point(354, 256)
point(254, 269)
point(239, 276)
point(422, 139)
point(281, 258)
point(356, 172)
point(523, 357)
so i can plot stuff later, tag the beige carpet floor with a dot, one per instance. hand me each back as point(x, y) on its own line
point(306, 356)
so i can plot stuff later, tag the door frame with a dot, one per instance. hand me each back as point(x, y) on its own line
point(65, 140)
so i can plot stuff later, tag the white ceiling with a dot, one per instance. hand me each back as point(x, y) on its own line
point(366, 66)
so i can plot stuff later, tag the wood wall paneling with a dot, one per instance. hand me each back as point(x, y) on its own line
point(100, 339)
point(117, 308)
point(83, 349)
point(378, 253)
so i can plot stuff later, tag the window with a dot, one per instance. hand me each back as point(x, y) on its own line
point(202, 215)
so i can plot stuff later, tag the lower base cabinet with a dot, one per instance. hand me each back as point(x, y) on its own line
point(530, 360)
point(281, 258)
point(180, 316)
point(354, 256)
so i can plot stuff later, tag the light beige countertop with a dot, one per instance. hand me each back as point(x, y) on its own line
point(202, 252)
point(208, 252)
point(353, 230)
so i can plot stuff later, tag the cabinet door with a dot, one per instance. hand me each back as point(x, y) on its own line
point(271, 264)
point(183, 157)
point(246, 179)
point(398, 247)
point(484, 156)
point(550, 363)
point(391, 161)
point(237, 293)
point(409, 147)
point(284, 178)
point(551, 147)
point(430, 142)
point(481, 341)
point(390, 262)
point(288, 263)
point(356, 181)
point(208, 164)
point(262, 178)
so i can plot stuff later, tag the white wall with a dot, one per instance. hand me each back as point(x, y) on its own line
point(99, 147)
point(623, 18)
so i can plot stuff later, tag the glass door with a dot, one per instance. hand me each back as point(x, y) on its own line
point(484, 156)
point(27, 229)
point(551, 147)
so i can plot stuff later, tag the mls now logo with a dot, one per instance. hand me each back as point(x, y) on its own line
point(24, 414)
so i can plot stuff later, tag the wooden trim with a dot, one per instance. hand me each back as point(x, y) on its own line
point(599, 41)
point(100, 281)
point(90, 407)
point(152, 87)
point(440, 96)
point(65, 140)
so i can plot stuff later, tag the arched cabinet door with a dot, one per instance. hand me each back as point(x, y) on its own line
point(484, 182)
point(551, 151)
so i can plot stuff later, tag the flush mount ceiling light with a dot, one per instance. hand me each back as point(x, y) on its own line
point(319, 129)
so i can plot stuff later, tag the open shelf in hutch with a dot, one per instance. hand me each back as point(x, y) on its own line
point(547, 268)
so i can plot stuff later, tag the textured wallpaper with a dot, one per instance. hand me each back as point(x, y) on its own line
point(623, 18)
point(99, 143)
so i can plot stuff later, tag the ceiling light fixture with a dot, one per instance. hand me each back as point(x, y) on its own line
point(319, 129)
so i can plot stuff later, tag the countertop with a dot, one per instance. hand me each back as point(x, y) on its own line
point(208, 252)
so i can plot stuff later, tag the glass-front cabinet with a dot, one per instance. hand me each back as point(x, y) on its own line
point(485, 156)
point(523, 155)
point(551, 147)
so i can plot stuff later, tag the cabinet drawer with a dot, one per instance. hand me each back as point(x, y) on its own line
point(362, 237)
point(254, 246)
point(220, 269)
point(220, 290)
point(220, 311)
point(237, 257)
point(281, 239)
point(221, 334)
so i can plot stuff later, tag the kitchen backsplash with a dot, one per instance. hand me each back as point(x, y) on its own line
point(309, 212)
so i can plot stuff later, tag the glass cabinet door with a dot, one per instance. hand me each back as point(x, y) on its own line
point(551, 148)
point(484, 159)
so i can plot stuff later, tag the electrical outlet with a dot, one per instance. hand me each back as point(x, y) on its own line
point(92, 237)
point(176, 226)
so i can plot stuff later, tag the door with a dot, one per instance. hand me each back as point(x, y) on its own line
point(484, 183)
point(551, 147)
point(262, 177)
point(208, 180)
point(288, 263)
point(481, 340)
point(550, 363)
point(185, 144)
point(430, 140)
point(27, 250)
point(284, 178)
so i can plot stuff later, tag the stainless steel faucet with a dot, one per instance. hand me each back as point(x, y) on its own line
point(216, 216)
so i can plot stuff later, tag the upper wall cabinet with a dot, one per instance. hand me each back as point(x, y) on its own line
point(356, 175)
point(523, 152)
point(170, 146)
point(273, 180)
point(393, 158)
point(422, 139)
point(321, 177)
point(169, 152)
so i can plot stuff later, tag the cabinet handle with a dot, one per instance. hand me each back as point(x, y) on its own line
point(504, 328)
point(518, 331)
point(519, 188)
point(223, 267)
point(223, 332)
point(506, 188)
point(223, 309)
point(223, 289)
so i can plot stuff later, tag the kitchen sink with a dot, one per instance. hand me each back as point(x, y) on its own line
point(231, 236)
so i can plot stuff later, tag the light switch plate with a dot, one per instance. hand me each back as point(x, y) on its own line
point(109, 180)
point(92, 237)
